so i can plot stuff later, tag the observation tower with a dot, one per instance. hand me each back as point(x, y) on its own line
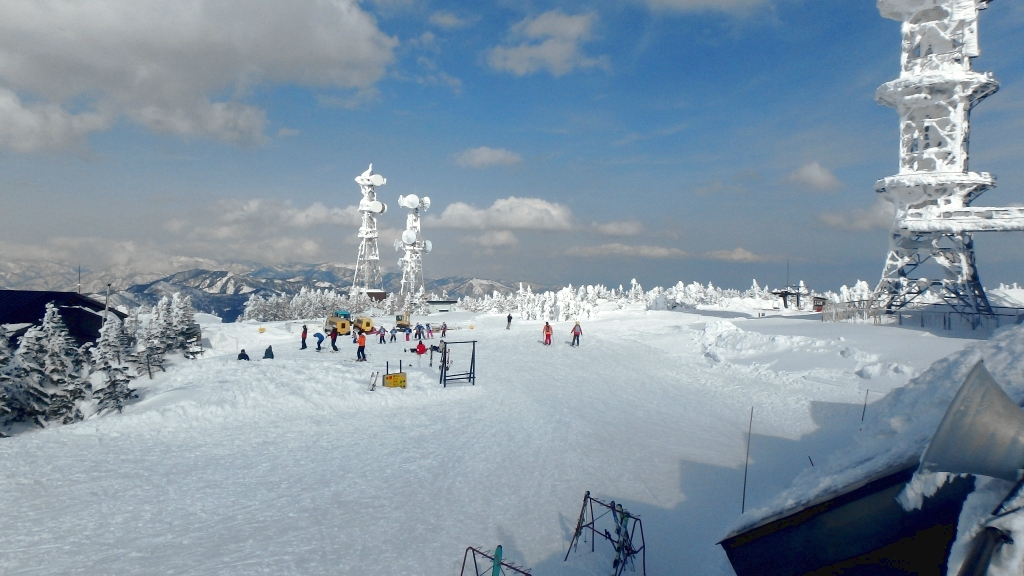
point(413, 244)
point(931, 249)
point(368, 279)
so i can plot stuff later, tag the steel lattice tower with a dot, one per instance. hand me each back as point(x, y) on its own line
point(413, 243)
point(934, 189)
point(367, 278)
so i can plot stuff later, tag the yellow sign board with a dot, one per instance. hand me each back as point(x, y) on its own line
point(394, 380)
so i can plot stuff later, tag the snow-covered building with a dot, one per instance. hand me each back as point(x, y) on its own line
point(20, 309)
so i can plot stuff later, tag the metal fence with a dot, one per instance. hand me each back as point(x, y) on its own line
point(931, 317)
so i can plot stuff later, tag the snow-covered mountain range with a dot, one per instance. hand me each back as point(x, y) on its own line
point(221, 288)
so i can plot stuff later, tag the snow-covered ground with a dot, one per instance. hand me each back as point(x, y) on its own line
point(292, 466)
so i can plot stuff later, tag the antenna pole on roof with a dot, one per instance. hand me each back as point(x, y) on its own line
point(106, 304)
point(787, 272)
point(79, 279)
point(743, 502)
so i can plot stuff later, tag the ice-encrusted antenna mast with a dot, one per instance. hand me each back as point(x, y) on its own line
point(368, 279)
point(934, 189)
point(413, 244)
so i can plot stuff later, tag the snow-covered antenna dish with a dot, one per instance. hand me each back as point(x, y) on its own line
point(409, 237)
point(377, 206)
point(411, 201)
point(377, 179)
point(427, 246)
point(425, 203)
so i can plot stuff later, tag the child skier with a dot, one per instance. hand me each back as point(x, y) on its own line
point(430, 332)
point(382, 333)
point(334, 338)
point(444, 329)
point(303, 337)
point(547, 334)
point(394, 332)
point(319, 340)
point(577, 331)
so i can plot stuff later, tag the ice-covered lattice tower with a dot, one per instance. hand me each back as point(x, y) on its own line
point(413, 244)
point(368, 278)
point(933, 192)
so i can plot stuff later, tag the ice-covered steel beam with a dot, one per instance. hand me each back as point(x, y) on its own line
point(973, 219)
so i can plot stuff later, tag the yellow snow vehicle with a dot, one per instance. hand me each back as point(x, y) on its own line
point(340, 319)
point(363, 324)
point(403, 321)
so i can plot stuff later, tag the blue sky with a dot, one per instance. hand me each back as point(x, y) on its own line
point(559, 142)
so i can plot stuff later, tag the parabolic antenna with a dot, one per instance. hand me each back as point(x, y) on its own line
point(411, 201)
point(399, 262)
point(377, 179)
point(425, 202)
point(398, 244)
point(427, 246)
point(409, 237)
point(376, 206)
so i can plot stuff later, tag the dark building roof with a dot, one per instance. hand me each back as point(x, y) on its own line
point(81, 314)
point(861, 531)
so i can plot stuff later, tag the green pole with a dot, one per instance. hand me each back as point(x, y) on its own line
point(496, 570)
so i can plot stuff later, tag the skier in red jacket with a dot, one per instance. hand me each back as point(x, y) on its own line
point(577, 331)
point(547, 334)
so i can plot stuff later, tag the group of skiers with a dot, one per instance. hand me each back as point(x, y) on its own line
point(268, 354)
point(548, 331)
point(421, 331)
point(359, 336)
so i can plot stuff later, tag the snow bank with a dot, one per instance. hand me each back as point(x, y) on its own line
point(899, 426)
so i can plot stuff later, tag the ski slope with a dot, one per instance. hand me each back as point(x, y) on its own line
point(292, 466)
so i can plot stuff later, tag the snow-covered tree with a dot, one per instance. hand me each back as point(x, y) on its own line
point(111, 376)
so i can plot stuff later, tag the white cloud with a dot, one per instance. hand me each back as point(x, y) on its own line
point(736, 255)
point(485, 156)
point(616, 249)
point(264, 213)
point(549, 42)
point(506, 213)
point(493, 239)
point(448, 20)
point(731, 6)
point(878, 216)
point(287, 132)
point(162, 65)
point(619, 228)
point(816, 177)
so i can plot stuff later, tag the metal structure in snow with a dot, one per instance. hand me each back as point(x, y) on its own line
point(624, 531)
point(367, 278)
point(413, 244)
point(934, 188)
point(489, 564)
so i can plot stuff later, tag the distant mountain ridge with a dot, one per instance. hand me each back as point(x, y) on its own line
point(222, 289)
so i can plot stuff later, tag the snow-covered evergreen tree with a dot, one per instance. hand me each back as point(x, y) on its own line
point(111, 375)
point(7, 382)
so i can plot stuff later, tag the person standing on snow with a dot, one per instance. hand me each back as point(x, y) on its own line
point(304, 329)
point(319, 340)
point(430, 332)
point(547, 334)
point(383, 334)
point(334, 338)
point(394, 333)
point(361, 351)
point(577, 331)
point(444, 329)
point(508, 325)
point(408, 332)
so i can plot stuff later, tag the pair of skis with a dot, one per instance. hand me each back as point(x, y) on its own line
point(373, 380)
